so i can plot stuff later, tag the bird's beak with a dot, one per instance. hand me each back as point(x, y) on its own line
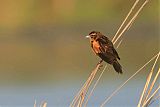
point(87, 36)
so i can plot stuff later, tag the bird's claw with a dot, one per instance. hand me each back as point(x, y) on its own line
point(100, 65)
point(100, 61)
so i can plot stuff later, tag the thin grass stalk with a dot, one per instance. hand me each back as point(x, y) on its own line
point(91, 92)
point(89, 83)
point(131, 21)
point(35, 103)
point(147, 82)
point(131, 10)
point(41, 105)
point(147, 104)
point(83, 94)
point(85, 87)
point(81, 100)
point(44, 104)
point(81, 90)
point(152, 84)
point(127, 81)
point(153, 100)
point(119, 43)
point(79, 96)
point(151, 96)
point(73, 103)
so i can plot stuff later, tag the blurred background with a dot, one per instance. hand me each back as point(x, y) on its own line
point(45, 56)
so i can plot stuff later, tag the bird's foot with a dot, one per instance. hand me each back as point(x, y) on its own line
point(100, 64)
point(100, 67)
point(100, 61)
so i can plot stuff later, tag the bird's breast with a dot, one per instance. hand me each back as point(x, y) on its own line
point(96, 47)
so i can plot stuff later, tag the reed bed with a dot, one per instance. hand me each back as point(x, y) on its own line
point(81, 99)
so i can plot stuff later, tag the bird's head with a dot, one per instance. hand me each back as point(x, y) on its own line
point(94, 35)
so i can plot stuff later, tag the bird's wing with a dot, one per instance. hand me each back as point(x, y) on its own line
point(107, 47)
point(115, 52)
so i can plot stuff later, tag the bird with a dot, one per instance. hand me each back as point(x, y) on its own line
point(103, 47)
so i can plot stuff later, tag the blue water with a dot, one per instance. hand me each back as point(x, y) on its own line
point(61, 96)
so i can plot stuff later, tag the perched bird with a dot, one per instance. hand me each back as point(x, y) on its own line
point(104, 48)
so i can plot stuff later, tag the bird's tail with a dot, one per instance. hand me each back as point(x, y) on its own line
point(117, 67)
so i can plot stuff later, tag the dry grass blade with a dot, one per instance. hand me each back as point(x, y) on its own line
point(78, 105)
point(78, 94)
point(143, 95)
point(91, 92)
point(127, 81)
point(147, 101)
point(147, 104)
point(131, 21)
point(151, 96)
point(89, 83)
point(35, 103)
point(152, 100)
point(79, 99)
point(44, 104)
point(152, 84)
point(131, 10)
point(119, 43)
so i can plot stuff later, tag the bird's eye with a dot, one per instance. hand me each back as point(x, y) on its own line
point(93, 36)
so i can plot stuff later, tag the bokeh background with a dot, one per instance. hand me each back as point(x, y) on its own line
point(44, 55)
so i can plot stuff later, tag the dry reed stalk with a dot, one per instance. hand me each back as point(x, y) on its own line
point(131, 21)
point(147, 100)
point(35, 103)
point(82, 93)
point(119, 43)
point(152, 84)
point(79, 102)
point(127, 81)
point(77, 95)
point(147, 104)
point(143, 95)
point(44, 104)
point(91, 92)
point(131, 10)
point(151, 96)
point(152, 100)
